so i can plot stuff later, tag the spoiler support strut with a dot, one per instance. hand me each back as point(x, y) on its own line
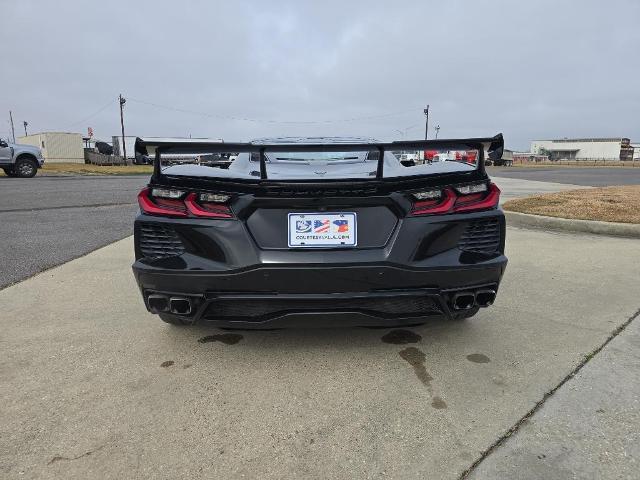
point(380, 169)
point(263, 165)
point(156, 165)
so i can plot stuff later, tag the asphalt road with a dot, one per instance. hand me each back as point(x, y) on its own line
point(46, 221)
point(591, 177)
point(93, 386)
point(516, 188)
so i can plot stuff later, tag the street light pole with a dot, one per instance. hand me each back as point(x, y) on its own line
point(437, 129)
point(426, 126)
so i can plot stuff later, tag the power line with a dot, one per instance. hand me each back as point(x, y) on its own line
point(104, 107)
point(283, 122)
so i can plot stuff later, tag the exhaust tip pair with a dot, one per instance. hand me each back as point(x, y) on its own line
point(485, 298)
point(467, 300)
point(164, 304)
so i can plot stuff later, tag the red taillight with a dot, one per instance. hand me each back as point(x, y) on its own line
point(490, 200)
point(470, 198)
point(435, 206)
point(182, 208)
point(170, 203)
point(453, 202)
point(168, 207)
point(206, 209)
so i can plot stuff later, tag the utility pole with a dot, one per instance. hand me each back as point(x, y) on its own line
point(437, 129)
point(25, 123)
point(122, 101)
point(426, 126)
point(13, 132)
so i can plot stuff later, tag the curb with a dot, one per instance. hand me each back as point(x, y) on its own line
point(524, 220)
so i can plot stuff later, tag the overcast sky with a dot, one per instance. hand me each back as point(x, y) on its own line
point(535, 69)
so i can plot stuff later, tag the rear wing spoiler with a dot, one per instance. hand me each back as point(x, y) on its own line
point(157, 146)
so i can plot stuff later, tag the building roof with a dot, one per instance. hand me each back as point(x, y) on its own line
point(54, 133)
point(583, 140)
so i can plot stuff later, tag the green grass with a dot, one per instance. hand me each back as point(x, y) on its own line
point(87, 169)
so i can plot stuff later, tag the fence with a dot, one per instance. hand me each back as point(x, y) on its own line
point(95, 158)
point(583, 162)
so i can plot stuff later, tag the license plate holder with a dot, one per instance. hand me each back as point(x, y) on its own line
point(322, 230)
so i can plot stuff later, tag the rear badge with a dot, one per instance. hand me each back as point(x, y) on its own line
point(322, 229)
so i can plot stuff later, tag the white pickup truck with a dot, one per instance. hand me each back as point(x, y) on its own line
point(19, 160)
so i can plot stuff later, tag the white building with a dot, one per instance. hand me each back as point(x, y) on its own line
point(57, 147)
point(584, 148)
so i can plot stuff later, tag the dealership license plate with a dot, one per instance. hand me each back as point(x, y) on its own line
point(322, 229)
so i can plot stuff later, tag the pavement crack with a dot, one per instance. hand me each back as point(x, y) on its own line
point(59, 458)
point(586, 359)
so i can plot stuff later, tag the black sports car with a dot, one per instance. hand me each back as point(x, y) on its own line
point(319, 231)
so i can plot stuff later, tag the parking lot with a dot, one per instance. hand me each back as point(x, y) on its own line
point(588, 177)
point(47, 221)
point(51, 220)
point(94, 386)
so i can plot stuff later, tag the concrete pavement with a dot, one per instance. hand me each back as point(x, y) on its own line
point(92, 386)
point(588, 429)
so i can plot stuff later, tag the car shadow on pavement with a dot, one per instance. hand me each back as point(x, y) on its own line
point(315, 338)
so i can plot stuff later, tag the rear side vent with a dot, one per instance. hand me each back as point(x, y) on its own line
point(158, 240)
point(481, 236)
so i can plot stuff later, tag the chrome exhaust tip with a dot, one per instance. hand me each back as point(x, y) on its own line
point(180, 306)
point(485, 298)
point(158, 303)
point(463, 300)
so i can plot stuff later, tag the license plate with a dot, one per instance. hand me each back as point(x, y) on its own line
point(322, 229)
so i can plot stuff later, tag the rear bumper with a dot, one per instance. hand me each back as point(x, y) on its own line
point(318, 295)
point(232, 278)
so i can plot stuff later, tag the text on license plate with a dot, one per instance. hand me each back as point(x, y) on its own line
point(322, 229)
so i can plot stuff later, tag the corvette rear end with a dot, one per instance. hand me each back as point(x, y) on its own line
point(319, 232)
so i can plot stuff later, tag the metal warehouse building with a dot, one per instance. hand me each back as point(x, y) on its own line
point(57, 147)
point(584, 148)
